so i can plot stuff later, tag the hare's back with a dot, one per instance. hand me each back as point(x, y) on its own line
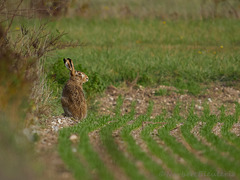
point(74, 93)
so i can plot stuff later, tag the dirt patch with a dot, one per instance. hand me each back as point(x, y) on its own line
point(46, 146)
point(196, 132)
point(136, 134)
point(236, 129)
point(176, 132)
point(122, 145)
point(166, 98)
point(158, 140)
point(217, 129)
point(199, 154)
point(118, 172)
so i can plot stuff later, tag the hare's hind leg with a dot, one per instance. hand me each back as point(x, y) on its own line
point(65, 107)
point(67, 112)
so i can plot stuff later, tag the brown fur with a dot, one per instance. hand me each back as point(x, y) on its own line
point(73, 100)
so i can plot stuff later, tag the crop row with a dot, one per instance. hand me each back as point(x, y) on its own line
point(186, 156)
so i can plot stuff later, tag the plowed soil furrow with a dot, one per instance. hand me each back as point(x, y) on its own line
point(217, 129)
point(139, 141)
point(176, 132)
point(196, 132)
point(117, 171)
point(236, 129)
point(215, 96)
point(230, 132)
point(123, 148)
point(178, 158)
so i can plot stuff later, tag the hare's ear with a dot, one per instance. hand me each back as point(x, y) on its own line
point(69, 64)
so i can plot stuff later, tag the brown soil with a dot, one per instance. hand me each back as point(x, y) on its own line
point(47, 147)
point(139, 141)
point(118, 172)
point(178, 135)
point(215, 96)
point(217, 129)
point(236, 129)
point(196, 132)
point(123, 147)
point(166, 148)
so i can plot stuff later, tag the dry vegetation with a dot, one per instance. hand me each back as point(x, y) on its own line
point(23, 92)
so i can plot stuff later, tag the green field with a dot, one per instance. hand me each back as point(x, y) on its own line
point(217, 166)
point(187, 54)
point(183, 54)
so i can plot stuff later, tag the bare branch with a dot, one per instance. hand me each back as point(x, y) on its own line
point(13, 16)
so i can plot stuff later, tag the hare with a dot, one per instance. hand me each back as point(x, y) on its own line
point(73, 100)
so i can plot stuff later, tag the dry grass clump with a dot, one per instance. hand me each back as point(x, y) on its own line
point(23, 91)
point(14, 90)
point(29, 47)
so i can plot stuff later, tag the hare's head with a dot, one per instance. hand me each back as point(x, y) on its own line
point(78, 76)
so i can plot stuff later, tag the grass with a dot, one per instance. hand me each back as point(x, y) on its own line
point(112, 148)
point(89, 158)
point(220, 144)
point(225, 131)
point(213, 154)
point(136, 151)
point(196, 165)
point(166, 156)
point(185, 54)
